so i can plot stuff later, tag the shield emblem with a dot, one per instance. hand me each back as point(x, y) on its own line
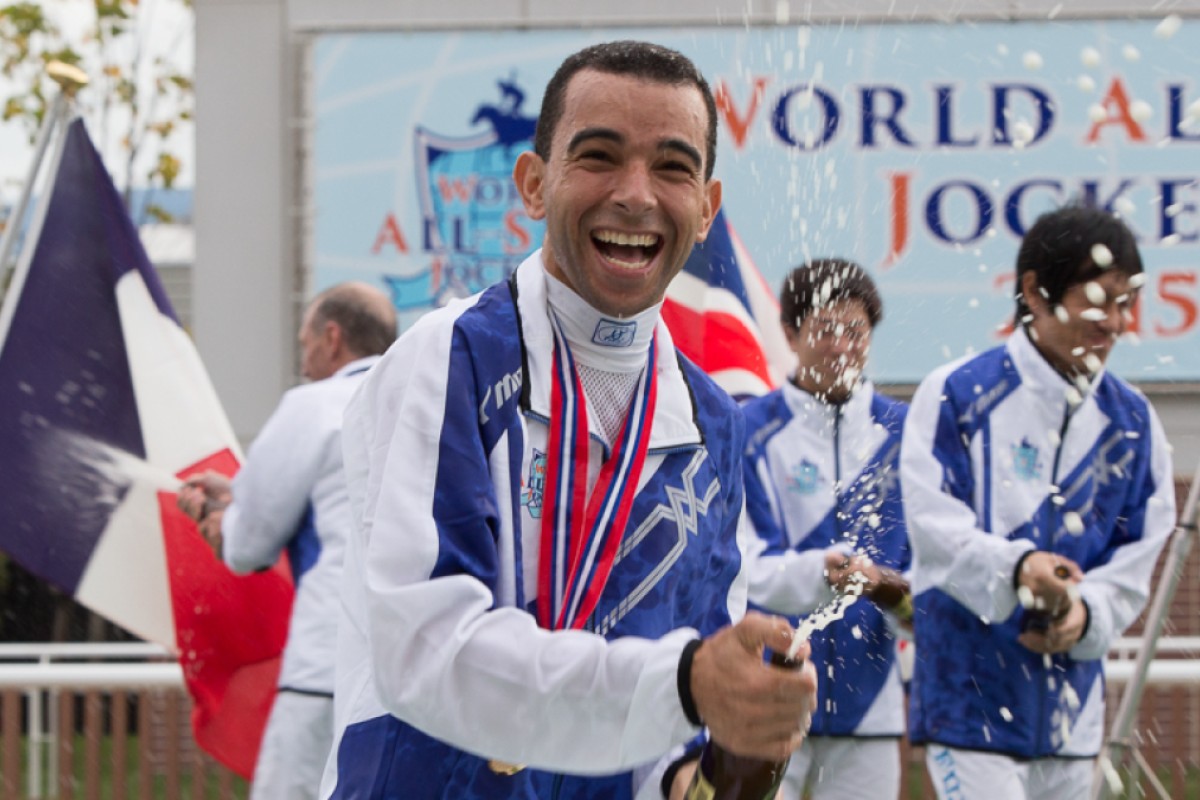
point(1025, 460)
point(805, 477)
point(474, 220)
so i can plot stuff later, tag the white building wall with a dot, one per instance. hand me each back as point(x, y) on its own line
point(248, 218)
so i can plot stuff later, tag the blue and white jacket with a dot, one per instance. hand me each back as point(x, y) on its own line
point(442, 666)
point(997, 460)
point(290, 497)
point(821, 476)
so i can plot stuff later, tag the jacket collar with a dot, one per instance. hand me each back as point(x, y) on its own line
point(808, 406)
point(674, 420)
point(356, 366)
point(1040, 376)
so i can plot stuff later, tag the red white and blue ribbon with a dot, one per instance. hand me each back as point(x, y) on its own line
point(581, 534)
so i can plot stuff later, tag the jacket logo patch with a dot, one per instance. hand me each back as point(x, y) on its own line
point(1025, 461)
point(611, 333)
point(805, 477)
point(534, 486)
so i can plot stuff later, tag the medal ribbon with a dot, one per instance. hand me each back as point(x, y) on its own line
point(581, 534)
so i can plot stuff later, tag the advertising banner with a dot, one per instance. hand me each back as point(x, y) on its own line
point(922, 151)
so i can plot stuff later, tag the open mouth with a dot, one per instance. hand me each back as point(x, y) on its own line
point(627, 250)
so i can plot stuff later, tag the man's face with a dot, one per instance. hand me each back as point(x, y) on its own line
point(623, 192)
point(832, 345)
point(1077, 336)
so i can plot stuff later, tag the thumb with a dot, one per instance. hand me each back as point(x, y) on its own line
point(757, 631)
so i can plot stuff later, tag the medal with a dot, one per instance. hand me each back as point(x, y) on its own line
point(504, 768)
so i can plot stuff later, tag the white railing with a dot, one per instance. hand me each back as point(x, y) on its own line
point(38, 669)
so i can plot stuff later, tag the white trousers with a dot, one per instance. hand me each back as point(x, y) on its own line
point(830, 768)
point(972, 775)
point(294, 748)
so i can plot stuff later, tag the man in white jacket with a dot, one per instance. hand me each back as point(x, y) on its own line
point(546, 559)
point(1038, 491)
point(290, 497)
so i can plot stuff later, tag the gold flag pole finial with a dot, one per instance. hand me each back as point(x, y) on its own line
point(68, 76)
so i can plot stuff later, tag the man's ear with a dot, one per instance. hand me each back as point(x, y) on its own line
point(529, 174)
point(332, 334)
point(712, 204)
point(1032, 293)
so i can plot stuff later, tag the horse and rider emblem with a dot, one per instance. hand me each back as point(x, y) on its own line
point(474, 221)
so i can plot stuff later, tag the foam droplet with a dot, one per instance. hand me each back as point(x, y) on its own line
point(1090, 57)
point(1032, 60)
point(1169, 26)
point(1101, 255)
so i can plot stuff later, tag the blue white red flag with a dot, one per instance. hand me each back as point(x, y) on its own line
point(104, 404)
point(725, 317)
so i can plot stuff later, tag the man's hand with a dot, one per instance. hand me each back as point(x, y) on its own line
point(841, 569)
point(1049, 580)
point(1063, 633)
point(203, 497)
point(752, 708)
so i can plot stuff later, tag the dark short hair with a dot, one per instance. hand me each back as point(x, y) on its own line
point(368, 328)
point(1058, 250)
point(643, 60)
point(823, 282)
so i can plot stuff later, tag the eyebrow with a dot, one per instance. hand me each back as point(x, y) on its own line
point(608, 134)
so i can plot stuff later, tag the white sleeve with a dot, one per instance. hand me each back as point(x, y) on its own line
point(271, 491)
point(789, 582)
point(445, 659)
point(1116, 591)
point(950, 551)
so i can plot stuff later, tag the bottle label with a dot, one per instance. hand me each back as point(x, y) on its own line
point(700, 788)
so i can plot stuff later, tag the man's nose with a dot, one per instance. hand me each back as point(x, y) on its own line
point(635, 188)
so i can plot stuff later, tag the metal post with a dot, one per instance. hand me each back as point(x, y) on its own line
point(36, 738)
point(1119, 744)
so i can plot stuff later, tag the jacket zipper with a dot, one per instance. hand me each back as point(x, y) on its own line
point(1043, 720)
point(831, 641)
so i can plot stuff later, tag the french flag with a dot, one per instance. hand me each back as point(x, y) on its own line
point(104, 405)
point(725, 317)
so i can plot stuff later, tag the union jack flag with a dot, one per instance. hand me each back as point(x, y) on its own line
point(725, 317)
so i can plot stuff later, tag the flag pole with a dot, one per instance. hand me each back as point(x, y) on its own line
point(70, 79)
point(1119, 746)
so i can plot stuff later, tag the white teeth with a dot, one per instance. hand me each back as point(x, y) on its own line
point(627, 239)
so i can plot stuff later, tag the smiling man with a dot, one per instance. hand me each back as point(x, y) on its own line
point(545, 585)
point(1038, 492)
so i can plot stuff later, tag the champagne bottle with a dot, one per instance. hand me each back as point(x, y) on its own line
point(722, 775)
point(891, 592)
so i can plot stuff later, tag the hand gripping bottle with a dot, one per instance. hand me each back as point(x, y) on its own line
point(722, 775)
